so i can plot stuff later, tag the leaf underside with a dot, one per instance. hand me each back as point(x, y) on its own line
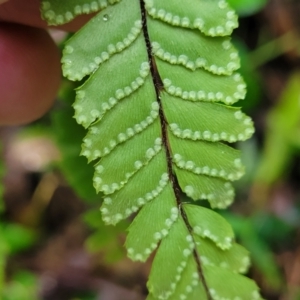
point(161, 77)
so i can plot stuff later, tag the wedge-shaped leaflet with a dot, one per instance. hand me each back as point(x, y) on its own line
point(217, 191)
point(189, 287)
point(213, 159)
point(192, 49)
point(113, 171)
point(201, 85)
point(158, 217)
point(170, 261)
point(133, 195)
point(58, 12)
point(208, 224)
point(97, 41)
point(214, 18)
point(90, 105)
point(224, 284)
point(235, 259)
point(133, 117)
point(229, 123)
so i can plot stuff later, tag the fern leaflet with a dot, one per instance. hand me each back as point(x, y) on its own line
point(156, 105)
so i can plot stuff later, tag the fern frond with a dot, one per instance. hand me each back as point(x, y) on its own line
point(161, 77)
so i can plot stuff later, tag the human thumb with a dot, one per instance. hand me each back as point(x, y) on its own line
point(2, 1)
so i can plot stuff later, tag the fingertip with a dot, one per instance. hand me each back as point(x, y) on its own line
point(30, 73)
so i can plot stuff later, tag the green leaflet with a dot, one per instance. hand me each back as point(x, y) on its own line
point(127, 168)
point(128, 199)
point(58, 12)
point(230, 124)
point(196, 156)
point(208, 224)
point(235, 259)
point(166, 273)
point(158, 73)
point(213, 18)
point(89, 49)
point(188, 287)
point(197, 48)
point(200, 84)
point(217, 191)
point(228, 285)
point(134, 61)
point(140, 243)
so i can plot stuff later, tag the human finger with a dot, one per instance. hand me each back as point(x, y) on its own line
point(30, 73)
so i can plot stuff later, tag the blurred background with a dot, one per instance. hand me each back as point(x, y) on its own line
point(53, 244)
